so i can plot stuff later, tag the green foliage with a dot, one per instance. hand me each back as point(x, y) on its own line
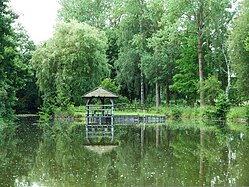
point(212, 88)
point(236, 112)
point(239, 51)
point(203, 23)
point(14, 70)
point(157, 42)
point(176, 113)
point(247, 112)
point(94, 13)
point(45, 116)
point(70, 64)
point(110, 85)
point(247, 43)
point(185, 81)
point(65, 113)
point(27, 97)
point(139, 20)
point(221, 109)
point(222, 106)
point(148, 42)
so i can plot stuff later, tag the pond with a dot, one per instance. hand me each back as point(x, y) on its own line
point(170, 154)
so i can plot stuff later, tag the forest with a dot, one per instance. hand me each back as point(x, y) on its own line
point(150, 52)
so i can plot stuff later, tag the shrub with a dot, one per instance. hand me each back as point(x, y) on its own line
point(222, 107)
point(237, 112)
point(212, 89)
point(247, 112)
point(176, 113)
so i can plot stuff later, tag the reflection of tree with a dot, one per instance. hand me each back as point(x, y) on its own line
point(234, 160)
point(8, 156)
point(17, 147)
point(62, 159)
point(201, 170)
point(146, 156)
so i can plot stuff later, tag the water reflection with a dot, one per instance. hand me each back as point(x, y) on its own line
point(100, 138)
point(64, 154)
point(100, 134)
point(18, 145)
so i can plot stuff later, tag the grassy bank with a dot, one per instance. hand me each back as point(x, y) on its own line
point(184, 112)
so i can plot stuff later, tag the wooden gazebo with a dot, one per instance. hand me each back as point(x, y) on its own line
point(102, 111)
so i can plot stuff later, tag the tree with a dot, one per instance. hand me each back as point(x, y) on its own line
point(139, 20)
point(212, 89)
point(71, 63)
point(239, 52)
point(95, 13)
point(160, 67)
point(110, 85)
point(186, 79)
point(205, 21)
point(131, 41)
point(12, 68)
point(27, 96)
point(98, 14)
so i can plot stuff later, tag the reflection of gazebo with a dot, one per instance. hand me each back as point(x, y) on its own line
point(101, 149)
point(99, 113)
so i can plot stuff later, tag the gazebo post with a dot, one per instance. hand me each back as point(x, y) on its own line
point(112, 112)
point(87, 110)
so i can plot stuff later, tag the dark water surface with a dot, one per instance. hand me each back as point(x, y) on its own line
point(172, 154)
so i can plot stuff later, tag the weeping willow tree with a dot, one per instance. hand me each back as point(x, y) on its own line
point(72, 62)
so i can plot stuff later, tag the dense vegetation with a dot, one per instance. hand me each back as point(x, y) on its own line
point(154, 52)
point(17, 83)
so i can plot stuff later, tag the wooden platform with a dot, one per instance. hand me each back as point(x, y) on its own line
point(135, 119)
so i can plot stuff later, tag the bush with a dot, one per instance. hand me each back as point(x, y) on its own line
point(237, 112)
point(221, 109)
point(247, 112)
point(64, 112)
point(176, 113)
point(222, 106)
point(212, 89)
point(110, 85)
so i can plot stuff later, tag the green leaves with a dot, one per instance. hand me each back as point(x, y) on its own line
point(94, 13)
point(212, 89)
point(71, 63)
point(239, 52)
point(14, 69)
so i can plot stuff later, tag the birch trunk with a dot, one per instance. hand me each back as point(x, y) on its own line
point(228, 72)
point(200, 51)
point(142, 88)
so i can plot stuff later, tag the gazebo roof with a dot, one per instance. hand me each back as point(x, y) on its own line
point(100, 93)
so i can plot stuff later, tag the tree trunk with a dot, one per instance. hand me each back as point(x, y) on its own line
point(201, 71)
point(142, 140)
point(158, 98)
point(142, 88)
point(157, 135)
point(228, 80)
point(167, 138)
point(200, 52)
point(201, 168)
point(167, 94)
point(228, 72)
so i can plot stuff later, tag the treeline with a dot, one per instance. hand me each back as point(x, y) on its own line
point(154, 51)
point(18, 91)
